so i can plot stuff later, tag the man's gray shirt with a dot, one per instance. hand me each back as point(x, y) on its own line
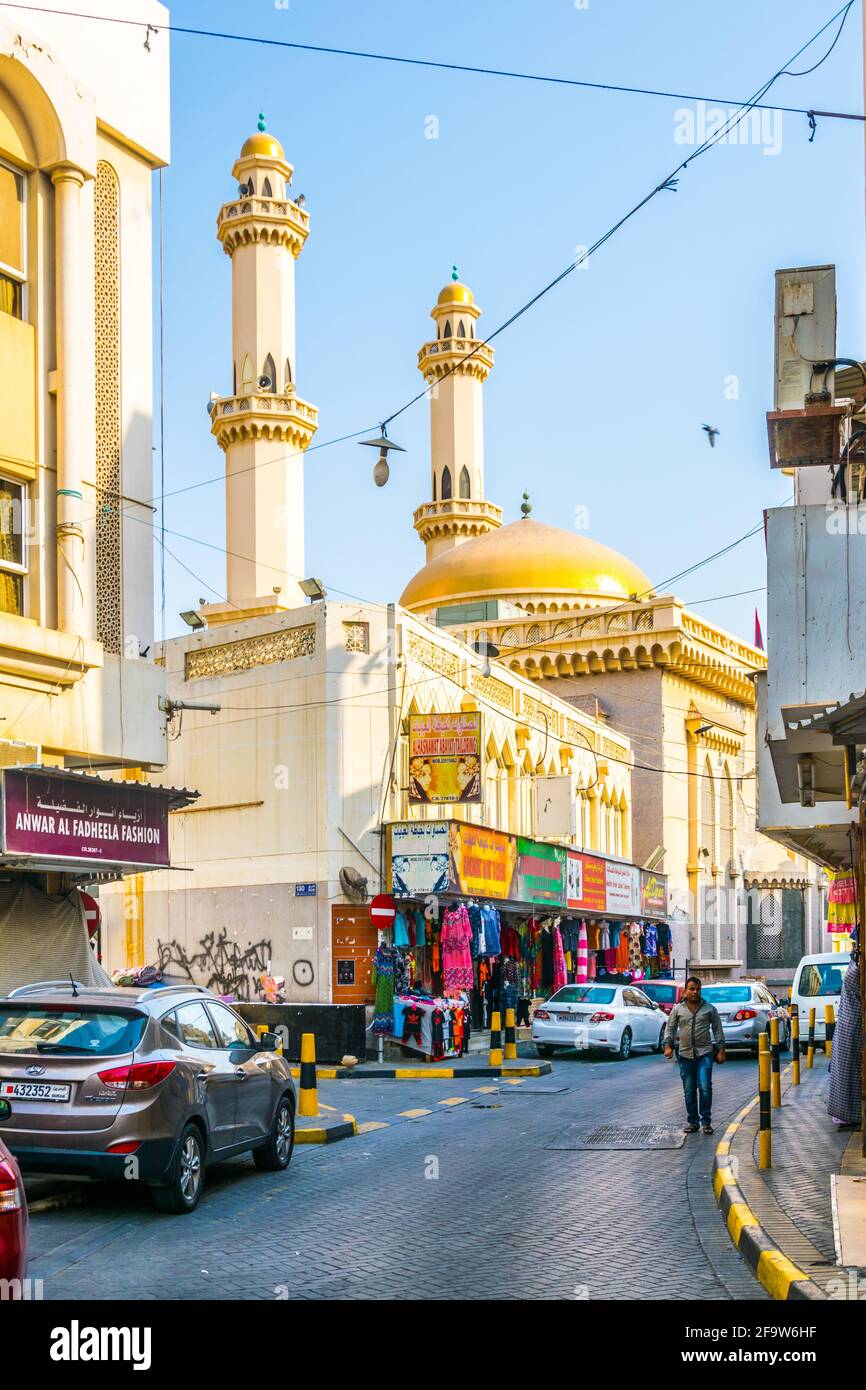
point(699, 1031)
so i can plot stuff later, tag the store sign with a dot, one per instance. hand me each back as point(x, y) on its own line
point(444, 758)
point(585, 883)
point(622, 889)
point(653, 894)
point(482, 861)
point(47, 817)
point(540, 873)
point(419, 859)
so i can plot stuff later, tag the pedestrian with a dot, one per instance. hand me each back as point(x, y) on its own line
point(701, 1035)
point(843, 1105)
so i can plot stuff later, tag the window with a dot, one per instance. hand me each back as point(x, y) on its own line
point(269, 370)
point(461, 331)
point(447, 333)
point(13, 269)
point(196, 1029)
point(93, 1032)
point(288, 374)
point(267, 191)
point(231, 1030)
point(727, 994)
point(13, 548)
point(727, 821)
point(446, 484)
point(464, 483)
point(583, 994)
point(822, 977)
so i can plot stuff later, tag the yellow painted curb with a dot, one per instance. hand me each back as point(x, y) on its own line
point(721, 1178)
point(777, 1273)
point(420, 1074)
point(739, 1215)
point(318, 1134)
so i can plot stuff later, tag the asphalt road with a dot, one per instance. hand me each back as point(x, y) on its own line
point(467, 1201)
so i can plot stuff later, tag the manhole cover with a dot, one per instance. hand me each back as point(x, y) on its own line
point(540, 1090)
point(621, 1137)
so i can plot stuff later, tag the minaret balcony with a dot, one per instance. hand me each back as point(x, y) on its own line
point(278, 221)
point(456, 516)
point(263, 415)
point(460, 356)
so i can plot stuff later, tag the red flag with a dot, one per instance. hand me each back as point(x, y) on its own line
point(759, 636)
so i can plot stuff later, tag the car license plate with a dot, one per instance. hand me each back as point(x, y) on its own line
point(567, 1018)
point(35, 1090)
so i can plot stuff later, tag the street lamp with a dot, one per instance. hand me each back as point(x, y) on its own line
point(381, 470)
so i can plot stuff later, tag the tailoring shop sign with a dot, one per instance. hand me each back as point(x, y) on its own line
point(622, 889)
point(444, 758)
point(585, 883)
point(483, 861)
point(653, 894)
point(540, 873)
point(419, 861)
point(62, 817)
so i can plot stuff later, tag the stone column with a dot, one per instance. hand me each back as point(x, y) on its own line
point(73, 600)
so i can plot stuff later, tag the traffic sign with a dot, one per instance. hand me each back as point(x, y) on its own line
point(92, 914)
point(383, 910)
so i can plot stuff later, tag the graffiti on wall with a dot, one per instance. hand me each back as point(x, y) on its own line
point(224, 966)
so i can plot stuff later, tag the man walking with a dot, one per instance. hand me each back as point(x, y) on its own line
point(701, 1033)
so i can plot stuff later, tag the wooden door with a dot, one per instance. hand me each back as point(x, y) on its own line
point(353, 945)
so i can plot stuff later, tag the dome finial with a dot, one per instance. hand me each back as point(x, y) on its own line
point(526, 505)
point(454, 273)
point(263, 125)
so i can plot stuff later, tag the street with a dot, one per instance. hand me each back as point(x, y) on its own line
point(466, 1201)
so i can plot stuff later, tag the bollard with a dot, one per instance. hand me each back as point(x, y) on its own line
point(795, 1045)
point(308, 1096)
point(495, 1040)
point(810, 1050)
point(775, 1063)
point(765, 1138)
point(510, 1037)
point(829, 1029)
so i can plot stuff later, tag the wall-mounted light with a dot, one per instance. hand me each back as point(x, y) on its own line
point(193, 619)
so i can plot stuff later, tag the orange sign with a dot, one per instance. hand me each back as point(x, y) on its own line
point(483, 861)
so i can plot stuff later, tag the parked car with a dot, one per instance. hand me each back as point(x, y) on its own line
point(817, 982)
point(745, 1008)
point(614, 1018)
point(13, 1216)
point(149, 1084)
point(665, 993)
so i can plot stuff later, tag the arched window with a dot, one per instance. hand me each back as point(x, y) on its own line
point(267, 191)
point(234, 378)
point(247, 374)
point(446, 484)
point(708, 816)
point(434, 487)
point(461, 329)
point(464, 482)
point(447, 333)
point(288, 376)
point(727, 821)
point(269, 369)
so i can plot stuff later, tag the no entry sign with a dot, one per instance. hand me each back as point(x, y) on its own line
point(383, 910)
point(92, 914)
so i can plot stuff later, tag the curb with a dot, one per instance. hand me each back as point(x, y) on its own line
point(327, 1133)
point(781, 1278)
point(423, 1074)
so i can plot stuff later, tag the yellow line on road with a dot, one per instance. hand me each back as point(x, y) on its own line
point(485, 1090)
point(414, 1114)
point(454, 1100)
point(369, 1125)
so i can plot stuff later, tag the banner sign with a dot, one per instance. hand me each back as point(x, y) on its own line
point(483, 861)
point(585, 883)
point(419, 859)
point(622, 889)
point(653, 894)
point(444, 758)
point(540, 873)
point(47, 817)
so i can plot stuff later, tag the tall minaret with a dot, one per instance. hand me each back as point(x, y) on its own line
point(263, 426)
point(455, 365)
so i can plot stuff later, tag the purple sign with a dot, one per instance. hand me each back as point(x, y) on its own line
point(63, 817)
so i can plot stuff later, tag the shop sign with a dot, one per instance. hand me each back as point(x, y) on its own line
point(653, 894)
point(47, 817)
point(622, 889)
point(445, 758)
point(483, 861)
point(540, 873)
point(419, 859)
point(585, 883)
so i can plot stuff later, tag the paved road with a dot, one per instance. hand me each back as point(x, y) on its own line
point(466, 1201)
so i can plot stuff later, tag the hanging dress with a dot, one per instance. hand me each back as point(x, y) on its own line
point(383, 979)
point(456, 951)
point(560, 974)
point(582, 974)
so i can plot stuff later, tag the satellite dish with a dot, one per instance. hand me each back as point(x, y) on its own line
point(265, 383)
point(353, 884)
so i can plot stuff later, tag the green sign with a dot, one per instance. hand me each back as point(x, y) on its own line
point(540, 873)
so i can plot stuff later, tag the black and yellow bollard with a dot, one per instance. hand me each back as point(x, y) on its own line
point(829, 1029)
point(308, 1095)
point(810, 1050)
point(765, 1138)
point(496, 1040)
point(775, 1064)
point(795, 1045)
point(510, 1037)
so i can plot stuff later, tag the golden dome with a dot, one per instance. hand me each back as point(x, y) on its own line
point(264, 144)
point(526, 560)
point(456, 293)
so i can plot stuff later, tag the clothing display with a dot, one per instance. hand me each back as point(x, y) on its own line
point(456, 954)
point(383, 981)
point(582, 971)
point(560, 976)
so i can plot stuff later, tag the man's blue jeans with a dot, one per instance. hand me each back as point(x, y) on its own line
point(697, 1079)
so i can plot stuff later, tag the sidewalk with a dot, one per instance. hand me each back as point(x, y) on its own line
point(781, 1219)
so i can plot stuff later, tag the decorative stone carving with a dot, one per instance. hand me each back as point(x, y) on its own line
point(265, 650)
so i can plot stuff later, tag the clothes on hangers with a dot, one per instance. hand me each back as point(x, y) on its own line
point(456, 950)
point(383, 982)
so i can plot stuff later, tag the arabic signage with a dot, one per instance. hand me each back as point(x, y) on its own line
point(47, 817)
point(419, 859)
point(444, 758)
point(540, 872)
point(585, 883)
point(653, 894)
point(482, 861)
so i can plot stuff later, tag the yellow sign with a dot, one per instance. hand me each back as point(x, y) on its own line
point(483, 861)
point(444, 758)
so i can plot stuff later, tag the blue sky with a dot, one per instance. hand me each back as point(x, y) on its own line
point(599, 393)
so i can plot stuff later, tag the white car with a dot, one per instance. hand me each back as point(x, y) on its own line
point(613, 1018)
point(817, 982)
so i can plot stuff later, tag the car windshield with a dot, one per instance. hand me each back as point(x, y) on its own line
point(728, 994)
point(57, 1028)
point(583, 994)
point(665, 993)
point(822, 977)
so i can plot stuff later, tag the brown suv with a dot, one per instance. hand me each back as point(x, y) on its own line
point(150, 1084)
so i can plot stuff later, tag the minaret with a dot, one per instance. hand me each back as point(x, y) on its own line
point(263, 427)
point(455, 365)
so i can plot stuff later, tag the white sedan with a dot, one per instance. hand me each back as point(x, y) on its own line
point(613, 1018)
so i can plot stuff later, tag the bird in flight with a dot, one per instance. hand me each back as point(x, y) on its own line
point(711, 433)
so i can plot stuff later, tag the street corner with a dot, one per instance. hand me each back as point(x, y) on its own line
point(328, 1127)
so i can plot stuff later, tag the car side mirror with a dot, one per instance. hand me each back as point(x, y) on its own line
point(5, 1109)
point(269, 1042)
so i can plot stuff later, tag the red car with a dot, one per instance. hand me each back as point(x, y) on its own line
point(13, 1216)
point(665, 993)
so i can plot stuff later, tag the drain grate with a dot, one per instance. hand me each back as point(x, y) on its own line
point(621, 1137)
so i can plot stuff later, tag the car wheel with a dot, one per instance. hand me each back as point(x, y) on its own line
point(660, 1045)
point(544, 1049)
point(183, 1190)
point(275, 1155)
point(624, 1045)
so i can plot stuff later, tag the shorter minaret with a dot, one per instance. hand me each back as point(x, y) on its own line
point(262, 426)
point(455, 365)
